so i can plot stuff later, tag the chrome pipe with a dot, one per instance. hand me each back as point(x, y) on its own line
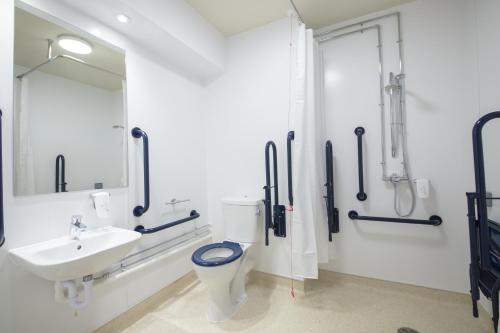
point(134, 258)
point(176, 201)
point(361, 23)
point(20, 76)
point(378, 28)
point(49, 48)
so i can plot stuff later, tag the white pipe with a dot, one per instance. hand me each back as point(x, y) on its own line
point(73, 301)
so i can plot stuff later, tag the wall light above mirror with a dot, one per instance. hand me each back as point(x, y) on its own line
point(70, 129)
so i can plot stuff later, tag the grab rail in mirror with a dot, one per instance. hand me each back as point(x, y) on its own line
point(193, 215)
point(138, 133)
point(60, 173)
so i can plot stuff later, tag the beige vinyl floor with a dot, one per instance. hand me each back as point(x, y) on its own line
point(335, 303)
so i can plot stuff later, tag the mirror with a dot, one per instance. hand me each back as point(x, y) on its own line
point(69, 110)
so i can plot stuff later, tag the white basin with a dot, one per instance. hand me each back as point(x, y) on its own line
point(64, 259)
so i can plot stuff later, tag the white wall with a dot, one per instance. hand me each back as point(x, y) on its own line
point(441, 108)
point(246, 107)
point(167, 107)
point(488, 35)
point(74, 119)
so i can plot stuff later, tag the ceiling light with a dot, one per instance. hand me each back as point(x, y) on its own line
point(122, 18)
point(74, 44)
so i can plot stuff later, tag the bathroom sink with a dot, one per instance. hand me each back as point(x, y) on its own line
point(64, 258)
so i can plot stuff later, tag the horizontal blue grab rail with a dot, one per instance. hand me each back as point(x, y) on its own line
point(434, 220)
point(193, 215)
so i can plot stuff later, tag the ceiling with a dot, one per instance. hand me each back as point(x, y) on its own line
point(234, 16)
point(30, 49)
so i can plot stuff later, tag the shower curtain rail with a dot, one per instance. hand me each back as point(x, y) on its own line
point(434, 220)
point(71, 58)
point(193, 215)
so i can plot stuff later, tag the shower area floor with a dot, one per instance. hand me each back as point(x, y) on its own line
point(334, 303)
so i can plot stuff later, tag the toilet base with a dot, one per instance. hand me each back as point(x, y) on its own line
point(215, 315)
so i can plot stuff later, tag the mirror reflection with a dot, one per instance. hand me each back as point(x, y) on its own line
point(69, 121)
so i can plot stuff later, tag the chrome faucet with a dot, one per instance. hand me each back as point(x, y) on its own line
point(76, 227)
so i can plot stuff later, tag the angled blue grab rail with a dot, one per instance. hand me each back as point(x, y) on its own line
point(138, 133)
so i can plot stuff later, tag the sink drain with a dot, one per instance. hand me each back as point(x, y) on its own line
point(407, 330)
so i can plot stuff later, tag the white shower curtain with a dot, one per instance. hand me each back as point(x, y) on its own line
point(310, 228)
point(24, 182)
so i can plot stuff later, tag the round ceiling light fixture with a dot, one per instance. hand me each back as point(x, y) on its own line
point(74, 44)
point(122, 18)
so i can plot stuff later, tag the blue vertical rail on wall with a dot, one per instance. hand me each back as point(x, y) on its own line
point(359, 131)
point(2, 230)
point(138, 133)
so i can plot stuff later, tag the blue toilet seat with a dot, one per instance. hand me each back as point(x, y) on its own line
point(198, 259)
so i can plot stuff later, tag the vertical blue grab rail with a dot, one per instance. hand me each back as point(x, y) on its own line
point(359, 131)
point(332, 212)
point(2, 230)
point(138, 133)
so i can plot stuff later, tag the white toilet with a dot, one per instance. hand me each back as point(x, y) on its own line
point(222, 267)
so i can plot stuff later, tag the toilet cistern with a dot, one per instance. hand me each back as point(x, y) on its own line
point(76, 227)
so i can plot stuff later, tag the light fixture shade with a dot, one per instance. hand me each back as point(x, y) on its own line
point(74, 44)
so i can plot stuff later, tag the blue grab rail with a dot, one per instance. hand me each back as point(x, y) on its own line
point(138, 133)
point(193, 215)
